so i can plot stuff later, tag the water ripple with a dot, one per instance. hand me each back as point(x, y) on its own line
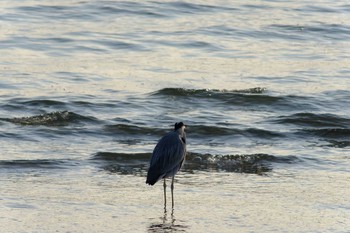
point(45, 164)
point(314, 120)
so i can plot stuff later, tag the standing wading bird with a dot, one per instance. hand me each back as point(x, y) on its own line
point(167, 158)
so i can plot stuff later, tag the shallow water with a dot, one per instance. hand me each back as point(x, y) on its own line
point(88, 87)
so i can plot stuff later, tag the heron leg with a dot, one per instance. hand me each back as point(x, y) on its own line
point(164, 185)
point(172, 192)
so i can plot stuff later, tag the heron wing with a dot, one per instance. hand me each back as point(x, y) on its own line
point(168, 154)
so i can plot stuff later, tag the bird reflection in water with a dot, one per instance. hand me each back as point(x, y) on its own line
point(167, 223)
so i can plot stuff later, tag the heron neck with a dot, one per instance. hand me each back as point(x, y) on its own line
point(181, 132)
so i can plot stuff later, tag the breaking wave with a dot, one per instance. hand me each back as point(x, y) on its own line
point(59, 118)
point(252, 97)
point(137, 163)
point(208, 92)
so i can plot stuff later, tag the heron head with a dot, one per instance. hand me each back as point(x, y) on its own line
point(179, 125)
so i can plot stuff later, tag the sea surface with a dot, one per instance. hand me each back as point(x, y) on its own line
point(87, 88)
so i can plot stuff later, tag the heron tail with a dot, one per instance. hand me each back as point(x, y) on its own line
point(151, 181)
point(152, 178)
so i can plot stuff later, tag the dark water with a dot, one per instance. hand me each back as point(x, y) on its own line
point(87, 88)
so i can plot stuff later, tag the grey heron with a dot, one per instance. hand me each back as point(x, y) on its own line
point(167, 158)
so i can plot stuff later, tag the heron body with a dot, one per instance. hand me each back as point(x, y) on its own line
point(168, 157)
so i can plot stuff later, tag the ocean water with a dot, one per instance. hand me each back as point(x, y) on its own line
point(88, 87)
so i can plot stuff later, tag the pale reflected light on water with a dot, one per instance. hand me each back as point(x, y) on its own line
point(119, 203)
point(88, 87)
